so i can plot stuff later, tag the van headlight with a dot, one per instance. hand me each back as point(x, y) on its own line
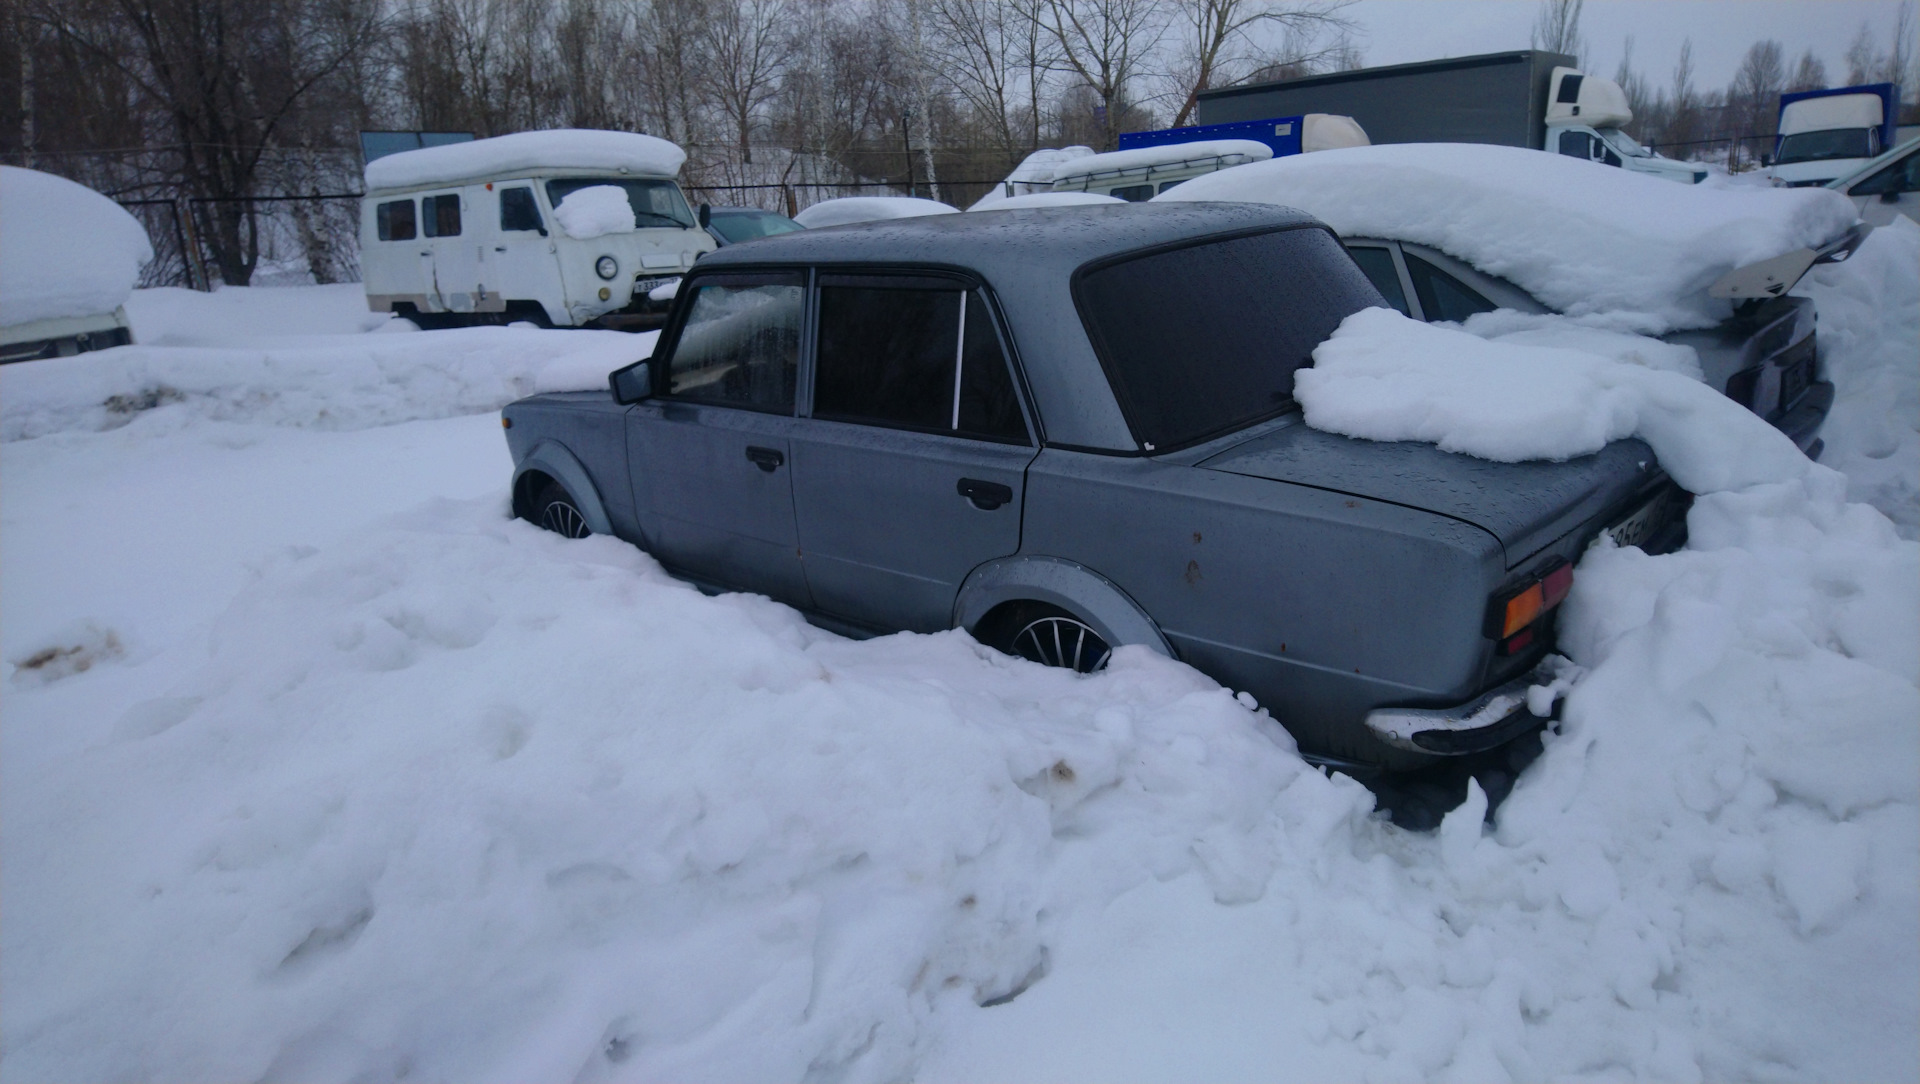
point(606, 267)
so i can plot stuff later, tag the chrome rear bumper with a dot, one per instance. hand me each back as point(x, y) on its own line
point(1488, 720)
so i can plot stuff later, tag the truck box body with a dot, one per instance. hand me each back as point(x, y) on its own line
point(1285, 135)
point(1494, 98)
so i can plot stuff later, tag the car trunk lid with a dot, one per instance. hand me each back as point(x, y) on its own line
point(1524, 505)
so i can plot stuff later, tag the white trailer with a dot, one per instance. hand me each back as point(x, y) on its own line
point(483, 232)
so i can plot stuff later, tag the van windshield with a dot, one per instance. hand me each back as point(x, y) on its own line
point(1203, 339)
point(655, 203)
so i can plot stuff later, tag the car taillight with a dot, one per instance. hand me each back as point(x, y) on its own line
point(1511, 617)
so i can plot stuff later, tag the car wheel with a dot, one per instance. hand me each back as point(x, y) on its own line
point(1051, 636)
point(554, 510)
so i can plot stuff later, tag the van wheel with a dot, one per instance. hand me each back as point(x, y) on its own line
point(554, 510)
point(1051, 636)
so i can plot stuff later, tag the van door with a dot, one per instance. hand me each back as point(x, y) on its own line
point(523, 258)
point(453, 268)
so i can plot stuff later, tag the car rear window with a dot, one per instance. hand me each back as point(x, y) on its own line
point(1203, 339)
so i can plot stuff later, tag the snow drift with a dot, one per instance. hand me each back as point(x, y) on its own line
point(1580, 237)
point(65, 250)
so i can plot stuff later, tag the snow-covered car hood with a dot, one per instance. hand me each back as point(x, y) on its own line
point(1580, 237)
point(65, 250)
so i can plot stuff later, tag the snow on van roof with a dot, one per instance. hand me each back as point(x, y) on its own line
point(524, 152)
point(1044, 199)
point(1581, 237)
point(1036, 170)
point(65, 250)
point(848, 210)
point(1169, 154)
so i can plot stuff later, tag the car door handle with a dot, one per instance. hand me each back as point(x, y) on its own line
point(985, 496)
point(767, 459)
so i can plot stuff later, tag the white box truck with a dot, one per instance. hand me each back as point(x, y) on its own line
point(568, 228)
point(1827, 134)
point(1527, 98)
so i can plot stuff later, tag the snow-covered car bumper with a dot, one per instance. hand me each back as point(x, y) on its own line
point(1490, 719)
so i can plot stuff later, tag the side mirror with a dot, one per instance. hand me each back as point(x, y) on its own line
point(706, 215)
point(632, 383)
point(1889, 196)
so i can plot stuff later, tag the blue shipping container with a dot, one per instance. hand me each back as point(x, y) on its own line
point(1280, 133)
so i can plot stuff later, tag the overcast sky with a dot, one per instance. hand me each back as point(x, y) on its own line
point(1402, 31)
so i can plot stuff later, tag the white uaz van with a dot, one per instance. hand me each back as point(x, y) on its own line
point(528, 227)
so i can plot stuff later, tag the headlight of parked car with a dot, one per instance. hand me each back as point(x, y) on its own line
point(606, 267)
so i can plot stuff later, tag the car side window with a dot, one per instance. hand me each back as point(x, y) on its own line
point(1377, 263)
point(1902, 176)
point(912, 353)
point(395, 220)
point(518, 211)
point(740, 343)
point(440, 215)
point(1443, 297)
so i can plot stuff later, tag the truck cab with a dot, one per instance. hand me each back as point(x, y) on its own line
point(1586, 118)
point(1827, 134)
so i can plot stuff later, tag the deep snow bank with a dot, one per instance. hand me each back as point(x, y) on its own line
point(345, 381)
point(65, 250)
point(1580, 237)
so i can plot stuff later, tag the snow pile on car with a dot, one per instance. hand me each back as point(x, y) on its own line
point(1580, 237)
point(1044, 199)
point(1034, 171)
point(1383, 376)
point(326, 381)
point(595, 211)
point(848, 210)
point(65, 250)
point(1236, 151)
point(528, 153)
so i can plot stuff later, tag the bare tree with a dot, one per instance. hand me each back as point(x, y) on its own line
point(1556, 28)
point(1809, 73)
point(1754, 97)
point(989, 53)
point(1106, 44)
point(1217, 37)
point(1683, 101)
point(746, 48)
point(1862, 57)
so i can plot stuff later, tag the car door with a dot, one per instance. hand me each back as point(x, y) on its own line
point(1892, 191)
point(710, 451)
point(910, 469)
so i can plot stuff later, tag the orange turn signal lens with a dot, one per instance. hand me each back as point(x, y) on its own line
point(1522, 609)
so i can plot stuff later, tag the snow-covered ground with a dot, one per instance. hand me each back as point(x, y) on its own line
point(315, 765)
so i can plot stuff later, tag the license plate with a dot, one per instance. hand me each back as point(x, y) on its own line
point(1640, 525)
point(641, 286)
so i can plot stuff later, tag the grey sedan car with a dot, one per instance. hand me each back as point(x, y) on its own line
point(1067, 430)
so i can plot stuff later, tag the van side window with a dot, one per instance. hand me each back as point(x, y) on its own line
point(395, 220)
point(441, 215)
point(740, 344)
point(1576, 144)
point(518, 211)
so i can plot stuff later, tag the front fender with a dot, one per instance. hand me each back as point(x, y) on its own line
point(550, 457)
point(1080, 590)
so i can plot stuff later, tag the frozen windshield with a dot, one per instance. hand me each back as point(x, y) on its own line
point(1820, 146)
point(1204, 339)
point(1624, 143)
point(655, 203)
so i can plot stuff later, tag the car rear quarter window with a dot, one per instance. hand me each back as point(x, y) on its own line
point(740, 343)
point(1443, 297)
point(395, 220)
point(1204, 338)
point(912, 352)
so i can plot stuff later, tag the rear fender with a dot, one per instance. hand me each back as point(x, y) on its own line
point(550, 457)
point(1075, 588)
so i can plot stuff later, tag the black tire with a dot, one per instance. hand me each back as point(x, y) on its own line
point(1050, 636)
point(553, 509)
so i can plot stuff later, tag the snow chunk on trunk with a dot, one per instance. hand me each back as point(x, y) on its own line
point(1382, 376)
point(593, 212)
point(65, 250)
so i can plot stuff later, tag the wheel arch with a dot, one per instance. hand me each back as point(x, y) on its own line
point(551, 459)
point(1073, 587)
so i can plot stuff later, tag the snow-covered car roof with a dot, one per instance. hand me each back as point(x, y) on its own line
point(848, 210)
point(526, 152)
point(65, 250)
point(1170, 154)
point(1581, 237)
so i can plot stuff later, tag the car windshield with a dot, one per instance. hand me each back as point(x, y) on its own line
point(737, 226)
point(1204, 339)
point(1821, 146)
point(1624, 143)
point(655, 203)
